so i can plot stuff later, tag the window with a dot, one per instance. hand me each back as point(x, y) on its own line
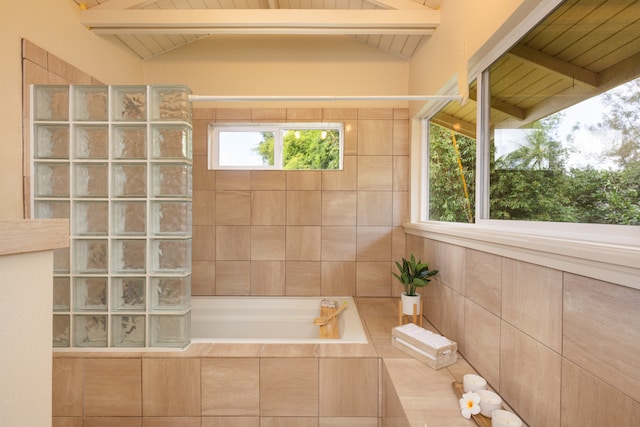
point(292, 146)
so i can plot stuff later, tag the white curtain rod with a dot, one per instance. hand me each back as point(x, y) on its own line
point(196, 98)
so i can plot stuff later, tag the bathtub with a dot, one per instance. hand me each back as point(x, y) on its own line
point(278, 320)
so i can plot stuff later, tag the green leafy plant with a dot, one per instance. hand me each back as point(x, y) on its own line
point(413, 274)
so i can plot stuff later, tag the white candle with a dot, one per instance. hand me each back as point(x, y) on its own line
point(489, 402)
point(502, 418)
point(472, 382)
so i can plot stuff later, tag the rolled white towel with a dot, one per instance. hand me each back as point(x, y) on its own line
point(431, 339)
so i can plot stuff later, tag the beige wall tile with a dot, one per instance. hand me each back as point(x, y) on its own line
point(34, 53)
point(415, 246)
point(400, 208)
point(66, 422)
point(398, 244)
point(171, 387)
point(303, 243)
point(400, 173)
point(230, 422)
point(199, 136)
point(339, 114)
point(482, 342)
point(401, 137)
point(483, 279)
point(268, 180)
point(339, 207)
point(203, 208)
point(522, 360)
point(345, 179)
point(233, 114)
point(67, 387)
point(532, 300)
point(304, 180)
point(401, 113)
point(304, 208)
point(452, 315)
point(112, 421)
point(112, 387)
point(373, 279)
point(233, 242)
point(202, 247)
point(233, 277)
point(375, 137)
point(268, 207)
point(302, 278)
point(268, 243)
point(348, 387)
point(233, 208)
point(375, 173)
point(338, 278)
point(601, 331)
point(268, 278)
point(230, 386)
point(228, 180)
point(375, 113)
point(204, 113)
point(311, 114)
point(289, 387)
point(203, 277)
point(374, 243)
point(289, 422)
point(171, 422)
point(433, 299)
point(268, 114)
point(375, 208)
point(338, 243)
point(67, 71)
point(449, 260)
point(203, 178)
point(348, 422)
point(350, 137)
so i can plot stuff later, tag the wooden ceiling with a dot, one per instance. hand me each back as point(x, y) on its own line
point(153, 27)
point(583, 48)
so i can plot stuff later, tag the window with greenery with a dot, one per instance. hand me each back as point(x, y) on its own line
point(276, 146)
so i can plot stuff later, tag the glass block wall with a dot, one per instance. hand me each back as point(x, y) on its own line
point(117, 161)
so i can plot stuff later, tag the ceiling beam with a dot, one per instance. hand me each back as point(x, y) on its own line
point(260, 21)
point(398, 4)
point(555, 65)
point(503, 107)
point(122, 4)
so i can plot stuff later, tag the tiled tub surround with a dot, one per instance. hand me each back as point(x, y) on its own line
point(303, 233)
point(562, 349)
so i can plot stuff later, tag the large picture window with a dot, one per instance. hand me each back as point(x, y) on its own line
point(276, 146)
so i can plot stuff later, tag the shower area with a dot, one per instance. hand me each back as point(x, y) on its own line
point(116, 161)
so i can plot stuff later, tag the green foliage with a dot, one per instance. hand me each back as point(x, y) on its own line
point(265, 148)
point(413, 274)
point(304, 149)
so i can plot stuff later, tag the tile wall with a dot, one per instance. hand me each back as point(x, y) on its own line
point(561, 349)
point(303, 232)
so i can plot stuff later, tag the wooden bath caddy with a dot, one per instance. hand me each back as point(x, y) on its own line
point(480, 419)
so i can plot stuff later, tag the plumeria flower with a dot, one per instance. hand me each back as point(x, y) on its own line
point(470, 404)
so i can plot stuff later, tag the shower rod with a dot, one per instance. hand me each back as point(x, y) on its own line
point(223, 98)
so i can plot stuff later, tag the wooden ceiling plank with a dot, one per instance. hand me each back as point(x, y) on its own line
point(397, 4)
point(562, 68)
point(455, 123)
point(122, 4)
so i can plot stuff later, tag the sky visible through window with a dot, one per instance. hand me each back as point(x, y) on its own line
point(237, 148)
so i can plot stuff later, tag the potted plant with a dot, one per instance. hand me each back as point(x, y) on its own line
point(413, 274)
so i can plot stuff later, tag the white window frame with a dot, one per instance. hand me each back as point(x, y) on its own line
point(278, 130)
point(601, 251)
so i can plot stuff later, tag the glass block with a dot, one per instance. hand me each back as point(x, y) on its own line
point(61, 326)
point(91, 142)
point(170, 142)
point(170, 103)
point(171, 180)
point(52, 180)
point(129, 142)
point(51, 141)
point(170, 293)
point(128, 293)
point(170, 330)
point(90, 180)
point(90, 103)
point(90, 331)
point(171, 218)
point(171, 256)
point(129, 218)
point(51, 103)
point(127, 331)
point(51, 209)
point(61, 260)
point(61, 294)
point(129, 180)
point(90, 255)
point(129, 103)
point(91, 218)
point(128, 256)
point(90, 293)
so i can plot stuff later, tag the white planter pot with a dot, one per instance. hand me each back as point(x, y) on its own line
point(408, 302)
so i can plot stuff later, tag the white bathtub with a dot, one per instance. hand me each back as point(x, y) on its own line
point(277, 320)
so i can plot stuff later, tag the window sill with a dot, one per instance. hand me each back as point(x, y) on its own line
point(608, 262)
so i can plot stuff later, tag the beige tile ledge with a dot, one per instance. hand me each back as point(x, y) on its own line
point(33, 235)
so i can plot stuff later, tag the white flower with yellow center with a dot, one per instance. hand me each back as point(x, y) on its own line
point(470, 404)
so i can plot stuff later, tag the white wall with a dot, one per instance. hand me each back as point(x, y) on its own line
point(52, 25)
